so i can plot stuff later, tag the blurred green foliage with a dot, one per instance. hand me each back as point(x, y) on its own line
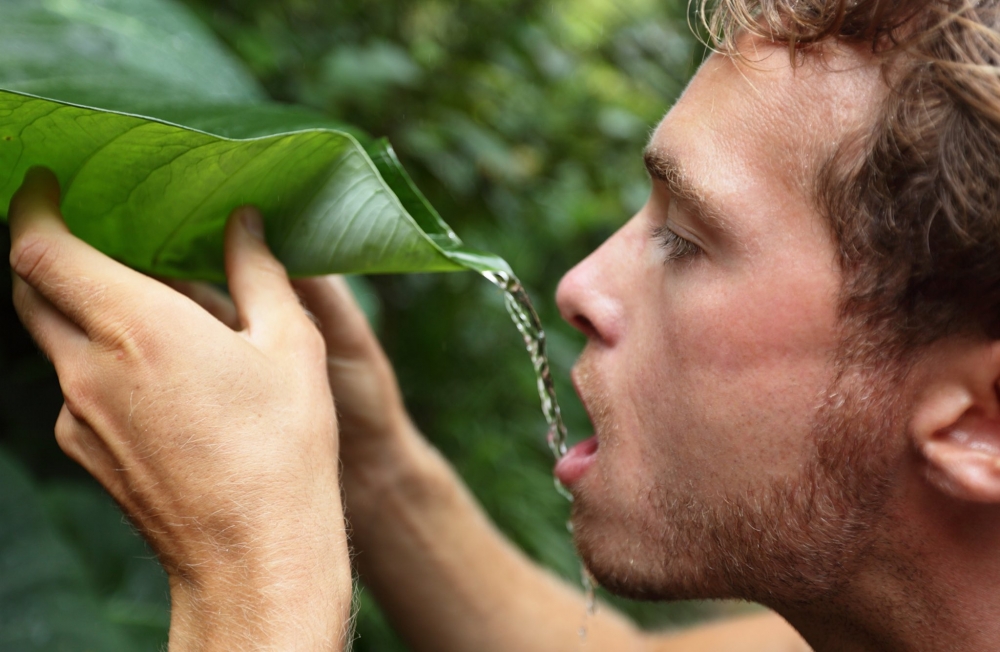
point(523, 122)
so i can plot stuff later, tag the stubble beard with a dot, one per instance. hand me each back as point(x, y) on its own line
point(786, 544)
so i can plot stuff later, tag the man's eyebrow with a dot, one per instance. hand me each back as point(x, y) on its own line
point(665, 167)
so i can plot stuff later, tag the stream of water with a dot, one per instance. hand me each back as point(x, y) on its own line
point(526, 319)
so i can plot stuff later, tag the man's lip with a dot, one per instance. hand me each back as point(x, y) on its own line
point(571, 466)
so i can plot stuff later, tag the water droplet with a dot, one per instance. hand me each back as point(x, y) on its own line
point(589, 588)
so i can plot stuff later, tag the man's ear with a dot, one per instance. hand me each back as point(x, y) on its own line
point(956, 420)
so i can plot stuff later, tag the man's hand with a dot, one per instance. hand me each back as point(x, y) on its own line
point(378, 443)
point(220, 444)
point(375, 428)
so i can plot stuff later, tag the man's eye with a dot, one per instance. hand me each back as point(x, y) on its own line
point(674, 246)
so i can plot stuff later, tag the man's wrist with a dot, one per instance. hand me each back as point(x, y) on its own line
point(288, 594)
point(374, 464)
point(406, 476)
point(254, 613)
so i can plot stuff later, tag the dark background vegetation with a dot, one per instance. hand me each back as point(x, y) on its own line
point(523, 123)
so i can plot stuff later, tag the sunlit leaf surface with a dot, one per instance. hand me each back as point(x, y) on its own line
point(156, 195)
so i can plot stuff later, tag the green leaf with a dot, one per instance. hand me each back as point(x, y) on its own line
point(131, 586)
point(155, 194)
point(46, 600)
point(118, 54)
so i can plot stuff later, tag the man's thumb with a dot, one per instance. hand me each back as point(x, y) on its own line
point(258, 283)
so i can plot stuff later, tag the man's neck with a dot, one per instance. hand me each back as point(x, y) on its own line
point(934, 588)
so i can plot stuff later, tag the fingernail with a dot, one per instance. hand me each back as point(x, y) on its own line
point(35, 173)
point(39, 186)
point(38, 175)
point(252, 222)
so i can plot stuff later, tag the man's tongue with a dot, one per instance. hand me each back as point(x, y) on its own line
point(576, 461)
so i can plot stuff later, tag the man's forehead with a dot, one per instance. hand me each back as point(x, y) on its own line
point(768, 116)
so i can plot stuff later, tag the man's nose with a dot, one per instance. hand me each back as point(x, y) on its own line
point(587, 298)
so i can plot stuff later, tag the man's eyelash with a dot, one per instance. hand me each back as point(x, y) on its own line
point(674, 246)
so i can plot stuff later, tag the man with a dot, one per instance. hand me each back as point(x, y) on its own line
point(792, 369)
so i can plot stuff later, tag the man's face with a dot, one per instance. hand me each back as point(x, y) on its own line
point(712, 325)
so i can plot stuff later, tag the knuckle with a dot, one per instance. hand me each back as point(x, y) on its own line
point(21, 297)
point(308, 337)
point(313, 343)
point(127, 340)
point(126, 331)
point(32, 257)
point(78, 394)
point(68, 438)
point(300, 339)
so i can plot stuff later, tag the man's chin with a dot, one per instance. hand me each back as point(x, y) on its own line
point(622, 564)
point(635, 574)
point(632, 588)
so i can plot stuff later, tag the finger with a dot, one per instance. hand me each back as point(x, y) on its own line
point(35, 200)
point(341, 320)
point(214, 302)
point(38, 191)
point(59, 338)
point(71, 274)
point(84, 446)
point(264, 298)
